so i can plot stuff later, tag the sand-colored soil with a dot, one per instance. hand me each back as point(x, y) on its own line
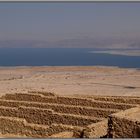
point(69, 102)
point(82, 80)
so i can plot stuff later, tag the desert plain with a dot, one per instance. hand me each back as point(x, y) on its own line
point(71, 80)
point(69, 102)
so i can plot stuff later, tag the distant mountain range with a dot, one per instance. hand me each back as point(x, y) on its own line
point(75, 43)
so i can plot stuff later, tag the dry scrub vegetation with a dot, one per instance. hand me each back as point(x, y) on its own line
point(39, 114)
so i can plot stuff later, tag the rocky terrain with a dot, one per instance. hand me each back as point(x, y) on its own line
point(69, 102)
point(47, 115)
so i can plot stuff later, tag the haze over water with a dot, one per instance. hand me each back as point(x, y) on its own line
point(68, 34)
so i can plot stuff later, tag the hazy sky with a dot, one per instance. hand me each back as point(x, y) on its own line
point(58, 21)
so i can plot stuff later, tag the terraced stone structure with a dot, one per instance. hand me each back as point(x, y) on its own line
point(46, 115)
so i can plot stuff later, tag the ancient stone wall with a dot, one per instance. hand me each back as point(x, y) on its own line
point(46, 115)
point(125, 124)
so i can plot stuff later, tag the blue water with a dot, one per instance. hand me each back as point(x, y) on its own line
point(63, 57)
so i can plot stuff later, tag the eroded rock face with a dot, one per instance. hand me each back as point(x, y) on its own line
point(126, 124)
point(46, 115)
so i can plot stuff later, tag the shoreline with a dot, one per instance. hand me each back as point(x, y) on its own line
point(72, 66)
point(125, 52)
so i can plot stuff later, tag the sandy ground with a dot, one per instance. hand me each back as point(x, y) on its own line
point(84, 80)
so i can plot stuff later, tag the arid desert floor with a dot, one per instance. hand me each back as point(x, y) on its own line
point(69, 102)
point(71, 80)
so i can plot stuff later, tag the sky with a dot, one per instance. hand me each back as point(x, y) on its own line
point(54, 22)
